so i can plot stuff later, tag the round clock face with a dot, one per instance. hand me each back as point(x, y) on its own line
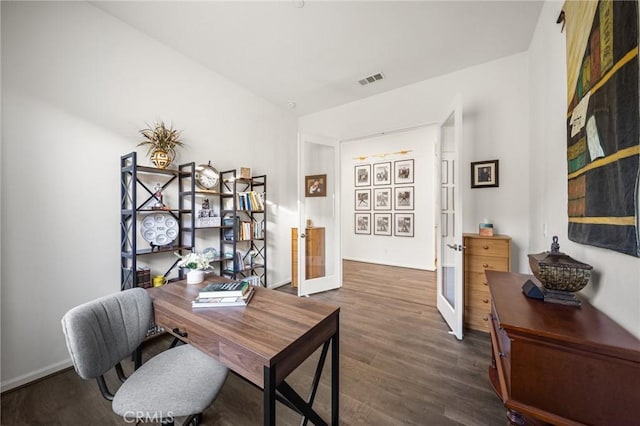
point(206, 176)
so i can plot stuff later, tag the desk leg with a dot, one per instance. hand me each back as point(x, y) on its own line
point(335, 376)
point(269, 396)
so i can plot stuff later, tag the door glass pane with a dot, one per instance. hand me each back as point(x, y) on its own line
point(319, 164)
point(447, 193)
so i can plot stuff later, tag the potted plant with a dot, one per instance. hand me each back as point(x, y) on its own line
point(162, 141)
point(197, 263)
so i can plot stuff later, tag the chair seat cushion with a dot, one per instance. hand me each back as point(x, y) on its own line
point(178, 382)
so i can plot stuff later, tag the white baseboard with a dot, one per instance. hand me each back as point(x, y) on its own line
point(378, 262)
point(279, 284)
point(34, 375)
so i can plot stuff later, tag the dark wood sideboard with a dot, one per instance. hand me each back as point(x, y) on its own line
point(558, 364)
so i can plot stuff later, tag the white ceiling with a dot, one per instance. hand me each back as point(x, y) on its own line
point(314, 52)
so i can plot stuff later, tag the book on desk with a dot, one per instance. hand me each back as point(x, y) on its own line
point(226, 289)
point(221, 302)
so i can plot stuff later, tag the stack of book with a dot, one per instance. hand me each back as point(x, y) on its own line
point(214, 295)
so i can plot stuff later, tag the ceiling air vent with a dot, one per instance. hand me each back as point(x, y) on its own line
point(371, 79)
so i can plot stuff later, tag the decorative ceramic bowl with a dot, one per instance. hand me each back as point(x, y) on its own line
point(559, 272)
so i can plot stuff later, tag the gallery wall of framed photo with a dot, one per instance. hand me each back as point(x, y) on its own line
point(384, 198)
point(389, 183)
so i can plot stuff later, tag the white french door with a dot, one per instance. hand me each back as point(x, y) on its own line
point(449, 247)
point(319, 157)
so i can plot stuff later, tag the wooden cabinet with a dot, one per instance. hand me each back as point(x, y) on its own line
point(482, 254)
point(559, 364)
point(314, 250)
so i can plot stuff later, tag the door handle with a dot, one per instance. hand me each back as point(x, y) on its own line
point(456, 247)
point(302, 235)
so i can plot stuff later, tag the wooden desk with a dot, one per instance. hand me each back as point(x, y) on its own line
point(560, 364)
point(262, 342)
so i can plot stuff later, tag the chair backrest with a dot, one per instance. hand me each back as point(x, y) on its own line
point(103, 332)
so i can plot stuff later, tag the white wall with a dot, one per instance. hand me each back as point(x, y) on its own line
point(615, 286)
point(417, 252)
point(77, 84)
point(495, 117)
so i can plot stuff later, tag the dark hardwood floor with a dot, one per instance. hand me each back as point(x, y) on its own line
point(399, 366)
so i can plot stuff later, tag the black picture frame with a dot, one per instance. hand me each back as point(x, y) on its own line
point(485, 174)
point(382, 198)
point(362, 175)
point(382, 173)
point(382, 224)
point(403, 172)
point(362, 199)
point(403, 225)
point(403, 197)
point(362, 223)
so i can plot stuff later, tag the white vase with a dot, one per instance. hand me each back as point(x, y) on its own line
point(195, 276)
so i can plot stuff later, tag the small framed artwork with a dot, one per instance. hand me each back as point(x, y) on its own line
point(363, 175)
point(382, 173)
point(363, 199)
point(403, 197)
point(382, 198)
point(403, 225)
point(484, 174)
point(363, 223)
point(382, 224)
point(403, 171)
point(315, 186)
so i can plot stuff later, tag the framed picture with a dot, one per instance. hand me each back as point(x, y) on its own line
point(403, 225)
point(484, 174)
point(382, 173)
point(363, 199)
point(315, 186)
point(363, 175)
point(363, 223)
point(382, 224)
point(403, 171)
point(403, 197)
point(382, 198)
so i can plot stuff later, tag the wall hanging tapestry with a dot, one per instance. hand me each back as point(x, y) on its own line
point(603, 140)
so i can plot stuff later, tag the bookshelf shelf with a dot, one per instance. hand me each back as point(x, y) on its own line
point(137, 199)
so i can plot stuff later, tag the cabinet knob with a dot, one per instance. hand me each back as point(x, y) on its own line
point(485, 283)
point(485, 247)
point(485, 318)
point(485, 300)
point(485, 265)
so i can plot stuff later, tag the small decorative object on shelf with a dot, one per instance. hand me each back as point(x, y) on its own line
point(158, 205)
point(162, 143)
point(207, 177)
point(485, 229)
point(197, 263)
point(159, 229)
point(559, 274)
point(245, 172)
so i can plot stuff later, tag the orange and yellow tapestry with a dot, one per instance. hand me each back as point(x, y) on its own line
point(603, 136)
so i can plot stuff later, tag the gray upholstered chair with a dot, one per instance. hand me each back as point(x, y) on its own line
point(178, 382)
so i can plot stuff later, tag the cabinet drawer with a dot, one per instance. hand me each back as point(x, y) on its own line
point(487, 247)
point(478, 297)
point(477, 318)
point(475, 281)
point(482, 263)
